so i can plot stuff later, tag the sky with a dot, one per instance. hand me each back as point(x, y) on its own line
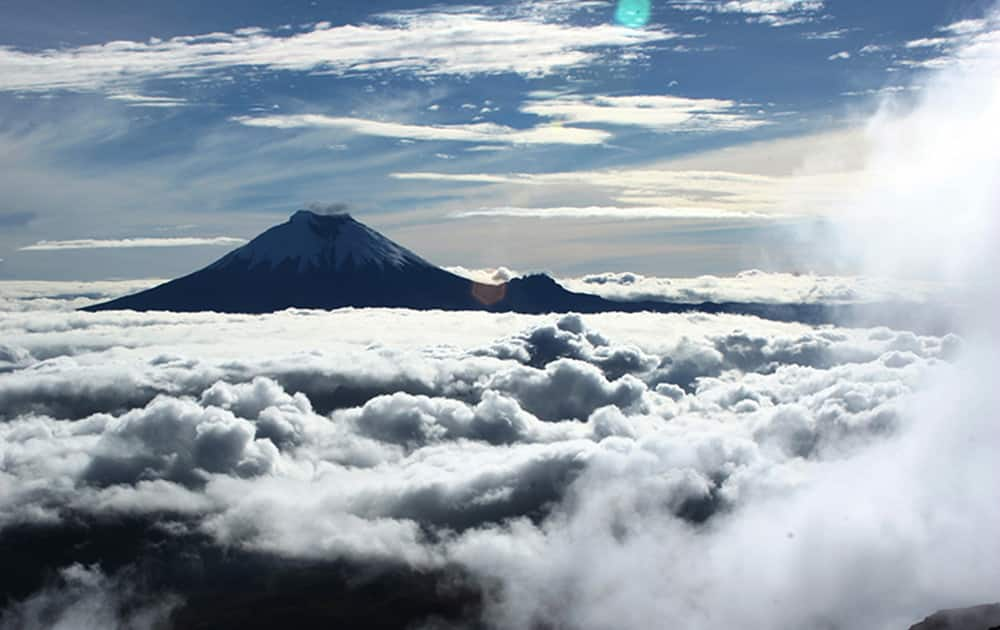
point(570, 136)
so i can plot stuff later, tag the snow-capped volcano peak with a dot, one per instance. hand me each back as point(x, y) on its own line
point(322, 242)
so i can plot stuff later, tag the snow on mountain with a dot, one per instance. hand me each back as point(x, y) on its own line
point(317, 241)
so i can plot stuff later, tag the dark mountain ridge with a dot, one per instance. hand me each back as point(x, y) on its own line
point(333, 261)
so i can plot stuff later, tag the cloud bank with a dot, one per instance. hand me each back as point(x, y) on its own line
point(494, 447)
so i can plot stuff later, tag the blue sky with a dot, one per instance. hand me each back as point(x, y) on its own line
point(142, 140)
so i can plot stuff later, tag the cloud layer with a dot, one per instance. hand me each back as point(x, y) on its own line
point(662, 114)
point(759, 286)
point(497, 445)
point(664, 192)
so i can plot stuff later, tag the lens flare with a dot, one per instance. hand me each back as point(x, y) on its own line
point(633, 13)
point(489, 294)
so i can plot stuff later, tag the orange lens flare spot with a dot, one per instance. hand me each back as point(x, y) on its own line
point(488, 294)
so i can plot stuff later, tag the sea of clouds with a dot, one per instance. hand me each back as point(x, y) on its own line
point(750, 286)
point(574, 471)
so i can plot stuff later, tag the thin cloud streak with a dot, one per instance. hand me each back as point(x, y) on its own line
point(773, 13)
point(660, 113)
point(613, 212)
point(965, 41)
point(477, 132)
point(663, 192)
point(141, 100)
point(127, 243)
point(753, 7)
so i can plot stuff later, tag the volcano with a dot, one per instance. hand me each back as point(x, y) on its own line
point(332, 261)
point(323, 261)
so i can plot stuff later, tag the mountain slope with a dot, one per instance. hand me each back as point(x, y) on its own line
point(311, 261)
point(976, 618)
point(333, 261)
point(313, 241)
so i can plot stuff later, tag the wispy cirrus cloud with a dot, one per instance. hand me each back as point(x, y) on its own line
point(882, 91)
point(968, 26)
point(963, 40)
point(837, 33)
point(475, 132)
point(657, 193)
point(614, 212)
point(89, 243)
point(657, 112)
point(141, 100)
point(776, 13)
point(928, 42)
point(748, 6)
point(616, 178)
point(778, 20)
point(465, 41)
